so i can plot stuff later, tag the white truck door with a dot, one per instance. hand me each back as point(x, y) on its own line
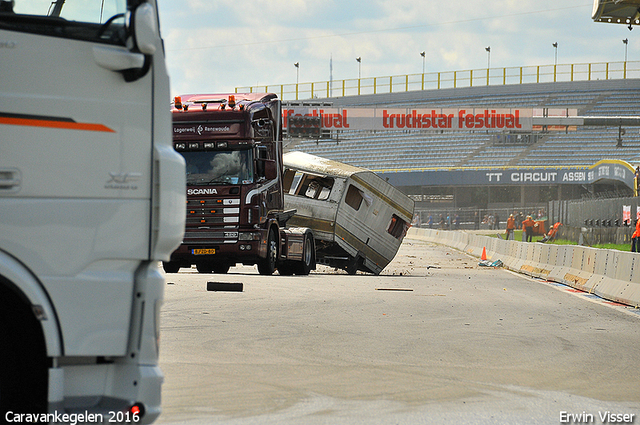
point(76, 155)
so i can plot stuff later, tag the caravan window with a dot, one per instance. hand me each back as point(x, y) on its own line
point(307, 185)
point(292, 179)
point(397, 227)
point(288, 180)
point(354, 197)
point(317, 187)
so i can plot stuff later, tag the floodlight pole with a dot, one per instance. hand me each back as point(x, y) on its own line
point(488, 49)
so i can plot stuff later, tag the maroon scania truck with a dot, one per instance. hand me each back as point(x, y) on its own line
point(232, 145)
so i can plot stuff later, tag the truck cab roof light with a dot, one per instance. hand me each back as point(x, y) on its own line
point(177, 102)
point(209, 100)
point(232, 101)
point(204, 106)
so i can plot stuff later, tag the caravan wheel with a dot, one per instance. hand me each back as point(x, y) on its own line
point(353, 265)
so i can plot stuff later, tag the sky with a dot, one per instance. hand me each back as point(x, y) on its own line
point(215, 46)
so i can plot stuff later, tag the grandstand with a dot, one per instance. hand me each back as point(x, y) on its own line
point(453, 162)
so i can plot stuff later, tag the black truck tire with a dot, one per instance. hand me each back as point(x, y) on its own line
point(171, 266)
point(221, 268)
point(268, 265)
point(308, 257)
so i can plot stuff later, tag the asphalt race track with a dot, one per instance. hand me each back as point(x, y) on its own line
point(435, 339)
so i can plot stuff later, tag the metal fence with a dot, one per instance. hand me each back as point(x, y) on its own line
point(452, 79)
point(474, 218)
point(597, 211)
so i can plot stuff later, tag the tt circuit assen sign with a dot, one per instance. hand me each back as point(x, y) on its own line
point(603, 170)
point(416, 119)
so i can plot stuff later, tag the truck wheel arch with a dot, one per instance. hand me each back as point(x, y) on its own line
point(31, 336)
point(15, 277)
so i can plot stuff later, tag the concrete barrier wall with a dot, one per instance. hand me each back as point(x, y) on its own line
point(609, 274)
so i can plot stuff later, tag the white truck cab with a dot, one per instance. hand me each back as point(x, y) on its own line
point(91, 198)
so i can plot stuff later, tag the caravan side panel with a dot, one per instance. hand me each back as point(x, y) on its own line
point(367, 213)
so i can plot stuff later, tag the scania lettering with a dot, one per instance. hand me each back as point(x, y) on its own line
point(202, 192)
point(234, 187)
point(91, 199)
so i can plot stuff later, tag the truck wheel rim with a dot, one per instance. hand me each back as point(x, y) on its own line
point(307, 252)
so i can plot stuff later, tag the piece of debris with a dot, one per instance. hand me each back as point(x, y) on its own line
point(489, 263)
point(394, 289)
point(225, 286)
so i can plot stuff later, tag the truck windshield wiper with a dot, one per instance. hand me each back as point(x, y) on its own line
point(20, 19)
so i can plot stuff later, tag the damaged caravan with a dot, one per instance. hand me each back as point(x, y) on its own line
point(358, 219)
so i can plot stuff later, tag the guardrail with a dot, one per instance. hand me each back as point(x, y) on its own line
point(609, 274)
point(452, 79)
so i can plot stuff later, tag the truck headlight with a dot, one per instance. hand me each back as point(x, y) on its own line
point(248, 236)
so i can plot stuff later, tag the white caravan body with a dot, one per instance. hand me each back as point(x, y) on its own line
point(358, 219)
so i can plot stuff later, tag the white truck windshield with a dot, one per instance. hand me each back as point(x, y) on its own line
point(96, 11)
point(92, 20)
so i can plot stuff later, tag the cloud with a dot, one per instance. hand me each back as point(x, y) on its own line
point(218, 46)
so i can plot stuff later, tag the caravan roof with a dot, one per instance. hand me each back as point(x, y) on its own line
point(315, 164)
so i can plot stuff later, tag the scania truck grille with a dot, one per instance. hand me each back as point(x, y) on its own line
point(203, 212)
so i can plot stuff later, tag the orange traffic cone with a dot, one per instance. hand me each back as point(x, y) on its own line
point(483, 257)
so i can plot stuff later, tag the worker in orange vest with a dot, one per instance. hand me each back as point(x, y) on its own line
point(553, 233)
point(635, 243)
point(511, 226)
point(527, 226)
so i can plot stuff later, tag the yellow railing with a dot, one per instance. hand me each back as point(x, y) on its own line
point(452, 79)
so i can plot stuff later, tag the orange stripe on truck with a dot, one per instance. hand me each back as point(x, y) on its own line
point(52, 122)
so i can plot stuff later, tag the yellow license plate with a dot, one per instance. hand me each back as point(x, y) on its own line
point(203, 251)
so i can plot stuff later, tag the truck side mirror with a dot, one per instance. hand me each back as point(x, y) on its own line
point(270, 169)
point(130, 63)
point(266, 168)
point(145, 28)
